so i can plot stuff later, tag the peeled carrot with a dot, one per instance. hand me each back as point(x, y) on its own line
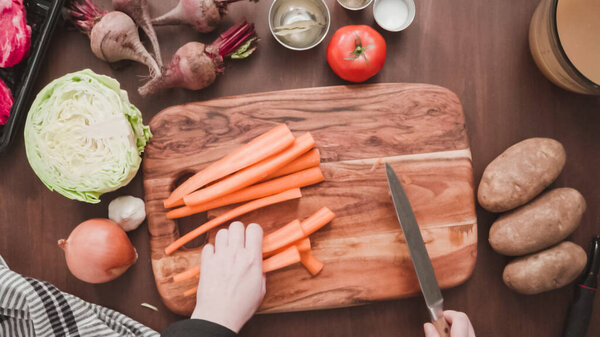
point(252, 174)
point(299, 179)
point(302, 245)
point(295, 231)
point(187, 274)
point(261, 147)
point(282, 237)
point(190, 292)
point(310, 159)
point(317, 220)
point(286, 258)
point(240, 210)
point(311, 263)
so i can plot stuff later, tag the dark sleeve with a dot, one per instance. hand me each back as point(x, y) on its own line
point(197, 328)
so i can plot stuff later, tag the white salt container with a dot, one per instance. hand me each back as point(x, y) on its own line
point(394, 15)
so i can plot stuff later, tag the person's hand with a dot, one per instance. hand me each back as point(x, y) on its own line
point(460, 326)
point(232, 284)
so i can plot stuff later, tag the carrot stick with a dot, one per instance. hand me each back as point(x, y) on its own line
point(282, 237)
point(314, 222)
point(303, 246)
point(261, 147)
point(286, 258)
point(298, 179)
point(252, 174)
point(187, 274)
point(242, 209)
point(310, 159)
point(311, 263)
point(295, 231)
point(190, 292)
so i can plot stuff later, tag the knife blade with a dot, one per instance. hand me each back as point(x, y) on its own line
point(418, 253)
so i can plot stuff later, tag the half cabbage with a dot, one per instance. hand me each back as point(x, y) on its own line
point(82, 136)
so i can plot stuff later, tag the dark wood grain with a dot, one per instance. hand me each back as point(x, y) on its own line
point(477, 49)
point(417, 128)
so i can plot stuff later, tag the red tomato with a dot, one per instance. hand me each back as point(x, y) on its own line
point(356, 53)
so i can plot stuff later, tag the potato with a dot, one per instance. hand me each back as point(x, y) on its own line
point(520, 173)
point(544, 222)
point(547, 270)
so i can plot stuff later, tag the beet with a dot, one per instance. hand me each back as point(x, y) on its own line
point(203, 15)
point(6, 102)
point(113, 35)
point(138, 11)
point(15, 34)
point(196, 65)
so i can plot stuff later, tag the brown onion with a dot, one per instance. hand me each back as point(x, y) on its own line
point(98, 251)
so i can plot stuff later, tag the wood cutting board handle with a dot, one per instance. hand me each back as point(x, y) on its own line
point(442, 327)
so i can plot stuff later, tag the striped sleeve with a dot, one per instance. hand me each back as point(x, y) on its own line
point(29, 307)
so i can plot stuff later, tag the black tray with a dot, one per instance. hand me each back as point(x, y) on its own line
point(42, 16)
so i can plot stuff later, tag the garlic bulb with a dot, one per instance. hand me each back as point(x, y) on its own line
point(128, 211)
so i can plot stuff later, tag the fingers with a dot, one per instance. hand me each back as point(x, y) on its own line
point(236, 235)
point(222, 240)
point(208, 252)
point(430, 330)
point(254, 237)
point(461, 326)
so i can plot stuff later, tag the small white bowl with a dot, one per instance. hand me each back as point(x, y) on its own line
point(365, 5)
point(410, 5)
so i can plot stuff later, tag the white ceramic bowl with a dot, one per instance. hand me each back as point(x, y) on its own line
point(410, 4)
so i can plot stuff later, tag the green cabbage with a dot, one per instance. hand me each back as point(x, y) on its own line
point(82, 136)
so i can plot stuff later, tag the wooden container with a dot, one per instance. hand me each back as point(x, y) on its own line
point(549, 53)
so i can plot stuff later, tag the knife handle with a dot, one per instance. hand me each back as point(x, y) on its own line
point(442, 326)
point(580, 312)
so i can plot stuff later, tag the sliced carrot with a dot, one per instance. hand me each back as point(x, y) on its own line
point(261, 147)
point(295, 231)
point(187, 274)
point(314, 222)
point(299, 179)
point(282, 237)
point(286, 258)
point(190, 292)
point(303, 246)
point(231, 214)
point(311, 263)
point(252, 174)
point(310, 159)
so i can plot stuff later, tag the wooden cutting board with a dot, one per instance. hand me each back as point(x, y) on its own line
point(418, 128)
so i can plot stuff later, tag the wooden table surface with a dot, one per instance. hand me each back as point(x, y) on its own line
point(478, 49)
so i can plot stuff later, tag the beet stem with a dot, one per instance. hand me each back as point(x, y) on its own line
point(234, 37)
point(84, 14)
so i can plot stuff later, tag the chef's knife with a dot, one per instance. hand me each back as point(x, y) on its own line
point(418, 253)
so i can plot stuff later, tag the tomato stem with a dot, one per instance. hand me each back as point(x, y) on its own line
point(359, 49)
